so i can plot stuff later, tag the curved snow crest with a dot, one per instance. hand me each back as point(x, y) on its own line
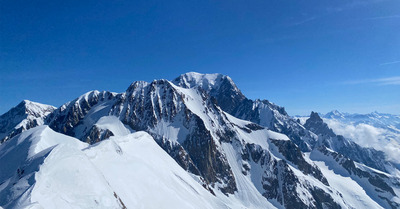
point(113, 124)
point(39, 139)
point(22, 157)
point(124, 171)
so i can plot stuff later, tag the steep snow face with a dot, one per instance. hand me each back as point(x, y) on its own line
point(24, 116)
point(352, 193)
point(380, 187)
point(131, 171)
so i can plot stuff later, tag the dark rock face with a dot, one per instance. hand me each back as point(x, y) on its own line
point(228, 95)
point(280, 183)
point(181, 156)
point(293, 154)
point(211, 163)
point(95, 135)
point(144, 105)
point(370, 157)
point(317, 126)
point(323, 200)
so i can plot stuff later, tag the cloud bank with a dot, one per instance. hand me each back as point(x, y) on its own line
point(369, 136)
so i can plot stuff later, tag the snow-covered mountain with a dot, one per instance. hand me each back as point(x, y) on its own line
point(376, 119)
point(24, 116)
point(195, 142)
point(388, 122)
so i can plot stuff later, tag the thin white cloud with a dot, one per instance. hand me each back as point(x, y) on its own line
point(390, 63)
point(303, 21)
point(389, 81)
point(353, 4)
point(384, 17)
point(381, 81)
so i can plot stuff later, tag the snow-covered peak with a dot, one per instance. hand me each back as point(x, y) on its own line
point(205, 81)
point(25, 115)
point(26, 107)
point(334, 114)
point(136, 85)
point(36, 109)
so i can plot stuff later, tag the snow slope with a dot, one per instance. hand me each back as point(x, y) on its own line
point(45, 169)
point(351, 191)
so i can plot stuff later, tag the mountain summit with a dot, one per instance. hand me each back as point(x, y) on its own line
point(24, 116)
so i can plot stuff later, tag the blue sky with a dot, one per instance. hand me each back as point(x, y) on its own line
point(303, 55)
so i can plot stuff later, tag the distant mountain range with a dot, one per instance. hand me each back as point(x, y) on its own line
point(193, 142)
point(379, 120)
point(377, 130)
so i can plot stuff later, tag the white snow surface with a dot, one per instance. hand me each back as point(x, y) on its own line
point(113, 124)
point(63, 172)
point(144, 176)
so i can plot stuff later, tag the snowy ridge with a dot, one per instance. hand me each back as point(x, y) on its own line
point(123, 172)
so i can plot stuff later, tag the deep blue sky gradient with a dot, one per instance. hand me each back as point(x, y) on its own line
point(303, 55)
